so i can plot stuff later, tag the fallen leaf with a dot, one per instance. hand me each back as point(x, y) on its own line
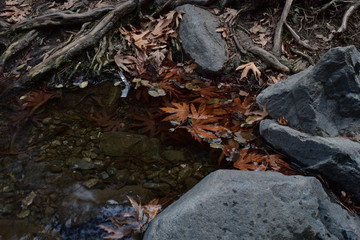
point(246, 68)
point(179, 113)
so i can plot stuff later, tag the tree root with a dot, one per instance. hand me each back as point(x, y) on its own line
point(17, 46)
point(304, 55)
point(278, 31)
point(326, 6)
point(297, 38)
point(62, 18)
point(84, 41)
point(347, 14)
point(247, 45)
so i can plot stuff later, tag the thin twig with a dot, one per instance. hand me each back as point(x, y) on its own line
point(279, 27)
point(347, 14)
point(297, 38)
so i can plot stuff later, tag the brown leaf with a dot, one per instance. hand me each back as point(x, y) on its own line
point(246, 68)
point(180, 113)
point(204, 128)
point(250, 161)
point(200, 113)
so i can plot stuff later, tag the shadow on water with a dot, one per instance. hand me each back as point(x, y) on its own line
point(62, 177)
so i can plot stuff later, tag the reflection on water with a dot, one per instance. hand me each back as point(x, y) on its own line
point(64, 179)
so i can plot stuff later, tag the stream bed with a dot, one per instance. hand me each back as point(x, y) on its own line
point(64, 170)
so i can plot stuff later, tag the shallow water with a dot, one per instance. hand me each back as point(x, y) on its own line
point(56, 180)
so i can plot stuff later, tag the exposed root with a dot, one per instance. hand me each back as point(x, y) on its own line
point(278, 31)
point(247, 45)
point(297, 38)
point(17, 46)
point(62, 18)
point(84, 41)
point(326, 6)
point(160, 9)
point(347, 14)
point(304, 55)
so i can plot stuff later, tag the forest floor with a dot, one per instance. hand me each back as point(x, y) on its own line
point(59, 76)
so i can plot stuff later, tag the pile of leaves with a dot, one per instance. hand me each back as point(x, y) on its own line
point(15, 12)
point(220, 113)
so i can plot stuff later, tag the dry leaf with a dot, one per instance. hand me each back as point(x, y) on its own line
point(180, 113)
point(246, 68)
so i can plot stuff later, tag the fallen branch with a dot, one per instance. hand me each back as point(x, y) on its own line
point(347, 14)
point(17, 46)
point(62, 18)
point(278, 31)
point(82, 42)
point(297, 38)
point(247, 45)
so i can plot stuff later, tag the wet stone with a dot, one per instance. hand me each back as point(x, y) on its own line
point(15, 168)
point(111, 171)
point(190, 182)
point(123, 175)
point(8, 188)
point(23, 214)
point(167, 179)
point(77, 163)
point(184, 173)
point(162, 187)
point(55, 143)
point(120, 143)
point(7, 209)
point(49, 211)
point(47, 120)
point(104, 175)
point(174, 156)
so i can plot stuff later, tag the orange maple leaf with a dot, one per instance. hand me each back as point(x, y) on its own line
point(204, 128)
point(250, 161)
point(199, 114)
point(179, 113)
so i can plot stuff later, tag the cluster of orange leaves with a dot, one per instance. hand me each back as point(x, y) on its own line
point(214, 113)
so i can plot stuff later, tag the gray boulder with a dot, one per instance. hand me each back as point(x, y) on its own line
point(337, 159)
point(231, 204)
point(200, 40)
point(322, 100)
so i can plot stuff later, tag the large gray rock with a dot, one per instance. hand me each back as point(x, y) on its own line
point(231, 204)
point(322, 100)
point(337, 159)
point(200, 39)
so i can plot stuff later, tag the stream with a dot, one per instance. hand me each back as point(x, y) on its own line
point(63, 172)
